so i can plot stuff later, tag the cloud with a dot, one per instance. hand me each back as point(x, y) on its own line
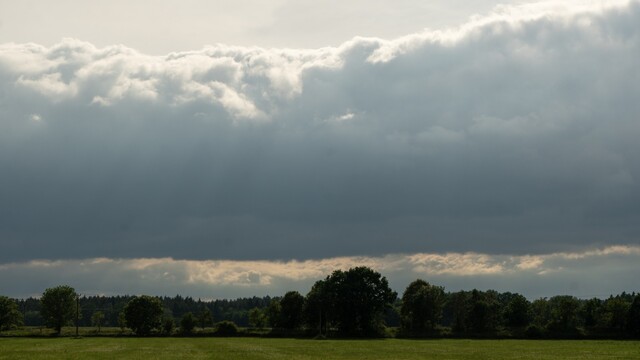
point(533, 275)
point(513, 134)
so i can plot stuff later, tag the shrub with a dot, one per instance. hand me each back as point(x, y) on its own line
point(187, 324)
point(534, 332)
point(226, 328)
point(168, 324)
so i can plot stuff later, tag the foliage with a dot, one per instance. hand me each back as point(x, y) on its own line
point(97, 318)
point(122, 321)
point(9, 314)
point(354, 300)
point(58, 306)
point(143, 314)
point(168, 325)
point(235, 310)
point(633, 317)
point(205, 317)
point(590, 311)
point(534, 331)
point(422, 305)
point(340, 305)
point(564, 313)
point(226, 328)
point(187, 323)
point(257, 319)
point(458, 306)
point(272, 313)
point(316, 308)
point(614, 313)
point(518, 311)
point(291, 310)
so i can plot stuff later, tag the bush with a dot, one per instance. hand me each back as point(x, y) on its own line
point(187, 324)
point(534, 332)
point(168, 324)
point(226, 328)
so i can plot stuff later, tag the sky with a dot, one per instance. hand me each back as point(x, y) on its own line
point(222, 149)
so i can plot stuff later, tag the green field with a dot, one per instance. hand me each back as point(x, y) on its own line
point(261, 348)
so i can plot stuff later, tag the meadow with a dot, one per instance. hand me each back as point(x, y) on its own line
point(264, 348)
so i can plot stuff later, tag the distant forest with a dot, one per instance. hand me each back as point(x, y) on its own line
point(176, 307)
point(359, 302)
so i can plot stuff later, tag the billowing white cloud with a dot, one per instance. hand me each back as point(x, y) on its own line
point(533, 275)
point(514, 133)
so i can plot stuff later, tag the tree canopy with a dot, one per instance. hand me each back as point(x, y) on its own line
point(291, 306)
point(9, 314)
point(143, 314)
point(353, 300)
point(422, 305)
point(58, 306)
point(187, 323)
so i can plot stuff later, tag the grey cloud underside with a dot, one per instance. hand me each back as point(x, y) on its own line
point(515, 137)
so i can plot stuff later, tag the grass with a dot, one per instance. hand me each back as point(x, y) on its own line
point(261, 348)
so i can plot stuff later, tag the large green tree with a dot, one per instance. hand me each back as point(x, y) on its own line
point(615, 311)
point(316, 307)
point(591, 312)
point(291, 306)
point(273, 313)
point(483, 311)
point(541, 310)
point(143, 314)
point(257, 318)
point(205, 318)
point(517, 312)
point(422, 305)
point(564, 313)
point(97, 318)
point(187, 323)
point(458, 304)
point(9, 313)
point(58, 306)
point(633, 317)
point(353, 300)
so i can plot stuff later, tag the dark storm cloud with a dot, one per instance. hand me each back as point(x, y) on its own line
point(509, 135)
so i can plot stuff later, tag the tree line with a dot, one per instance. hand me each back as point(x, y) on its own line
point(354, 303)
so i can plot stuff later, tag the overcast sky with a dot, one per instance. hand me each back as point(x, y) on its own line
point(250, 147)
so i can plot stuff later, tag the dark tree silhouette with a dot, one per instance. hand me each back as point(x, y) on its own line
point(9, 314)
point(633, 317)
point(143, 314)
point(518, 311)
point(187, 323)
point(291, 306)
point(205, 318)
point(422, 305)
point(354, 300)
point(58, 306)
point(564, 313)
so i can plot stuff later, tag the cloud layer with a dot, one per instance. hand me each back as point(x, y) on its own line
point(593, 273)
point(515, 133)
point(170, 26)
